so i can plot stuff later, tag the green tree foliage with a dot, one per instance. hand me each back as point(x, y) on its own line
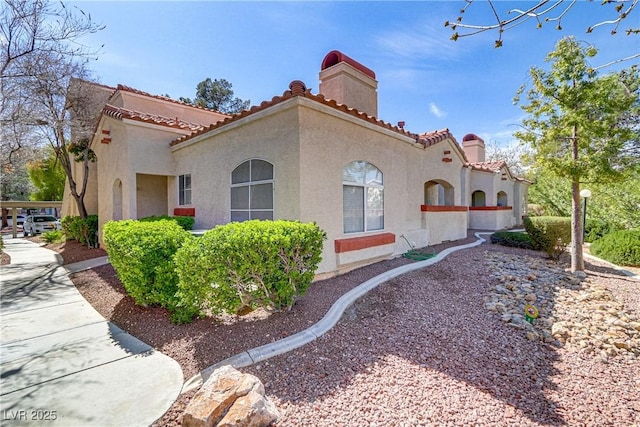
point(48, 177)
point(217, 95)
point(580, 126)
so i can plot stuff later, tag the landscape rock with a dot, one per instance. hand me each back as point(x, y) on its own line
point(573, 312)
point(231, 397)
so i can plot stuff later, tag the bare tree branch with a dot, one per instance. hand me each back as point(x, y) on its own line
point(541, 12)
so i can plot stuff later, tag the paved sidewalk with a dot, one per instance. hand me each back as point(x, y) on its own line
point(64, 364)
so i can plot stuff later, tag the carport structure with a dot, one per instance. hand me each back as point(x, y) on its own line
point(25, 204)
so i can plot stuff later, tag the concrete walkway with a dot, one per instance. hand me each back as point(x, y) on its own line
point(64, 364)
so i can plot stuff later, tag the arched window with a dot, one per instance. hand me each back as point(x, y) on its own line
point(503, 199)
point(363, 197)
point(252, 191)
point(478, 198)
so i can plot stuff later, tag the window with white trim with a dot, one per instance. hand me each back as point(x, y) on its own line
point(252, 191)
point(184, 190)
point(362, 197)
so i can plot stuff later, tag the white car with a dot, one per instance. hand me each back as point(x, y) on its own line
point(21, 219)
point(36, 224)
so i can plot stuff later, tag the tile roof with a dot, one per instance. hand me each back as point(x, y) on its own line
point(125, 88)
point(489, 166)
point(297, 88)
point(123, 113)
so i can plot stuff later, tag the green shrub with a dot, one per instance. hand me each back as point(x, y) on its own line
point(142, 255)
point(513, 239)
point(82, 230)
point(596, 229)
point(550, 234)
point(621, 247)
point(247, 264)
point(186, 222)
point(56, 236)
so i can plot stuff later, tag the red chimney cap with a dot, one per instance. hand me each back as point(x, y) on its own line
point(335, 57)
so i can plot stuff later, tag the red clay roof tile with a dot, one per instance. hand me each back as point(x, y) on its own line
point(123, 113)
point(319, 98)
point(125, 88)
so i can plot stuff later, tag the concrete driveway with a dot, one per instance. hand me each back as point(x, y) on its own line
point(64, 364)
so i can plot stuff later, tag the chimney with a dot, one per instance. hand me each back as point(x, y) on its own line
point(473, 147)
point(348, 82)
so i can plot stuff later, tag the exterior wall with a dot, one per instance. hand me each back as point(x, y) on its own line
point(270, 135)
point(135, 149)
point(493, 183)
point(329, 140)
point(151, 195)
point(491, 218)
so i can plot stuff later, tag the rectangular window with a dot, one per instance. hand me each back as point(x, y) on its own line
point(375, 209)
point(353, 208)
point(184, 190)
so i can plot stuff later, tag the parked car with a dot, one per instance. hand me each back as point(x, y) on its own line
point(20, 218)
point(36, 224)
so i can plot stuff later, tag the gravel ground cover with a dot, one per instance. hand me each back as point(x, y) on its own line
point(421, 349)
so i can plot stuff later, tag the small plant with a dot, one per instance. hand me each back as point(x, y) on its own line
point(142, 255)
point(550, 234)
point(186, 222)
point(512, 239)
point(56, 236)
point(82, 230)
point(620, 247)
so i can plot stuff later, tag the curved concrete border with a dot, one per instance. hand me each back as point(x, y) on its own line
point(259, 354)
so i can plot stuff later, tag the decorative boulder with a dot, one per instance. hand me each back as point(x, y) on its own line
point(230, 398)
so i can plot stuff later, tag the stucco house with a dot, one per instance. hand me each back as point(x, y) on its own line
point(371, 185)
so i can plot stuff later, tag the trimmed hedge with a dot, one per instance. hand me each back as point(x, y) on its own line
point(550, 234)
point(247, 264)
point(142, 255)
point(186, 222)
point(513, 239)
point(83, 230)
point(620, 247)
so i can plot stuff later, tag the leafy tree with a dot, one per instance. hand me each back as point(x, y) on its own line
point(217, 95)
point(579, 124)
point(39, 57)
point(48, 177)
point(507, 17)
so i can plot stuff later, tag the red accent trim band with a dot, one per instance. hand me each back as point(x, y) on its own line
point(447, 151)
point(184, 211)
point(490, 208)
point(435, 208)
point(356, 243)
point(446, 159)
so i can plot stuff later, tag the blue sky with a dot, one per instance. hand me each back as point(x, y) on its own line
point(424, 79)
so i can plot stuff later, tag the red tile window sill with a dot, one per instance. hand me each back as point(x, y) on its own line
point(363, 242)
point(490, 208)
point(435, 208)
point(184, 211)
